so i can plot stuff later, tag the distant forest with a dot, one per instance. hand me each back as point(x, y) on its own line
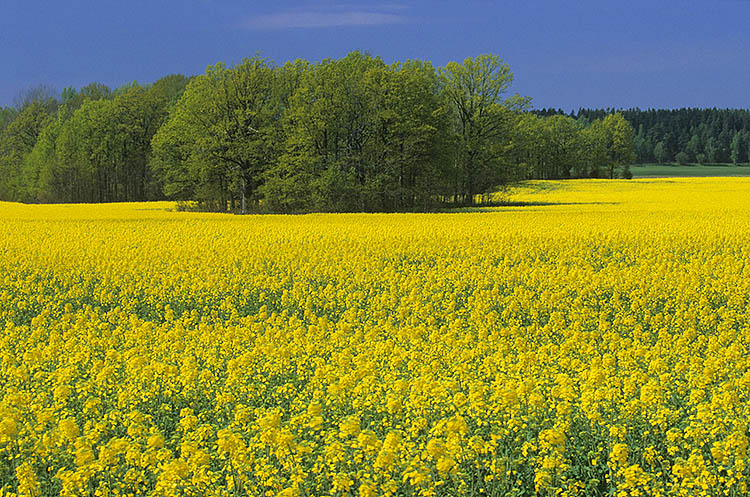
point(685, 136)
point(351, 134)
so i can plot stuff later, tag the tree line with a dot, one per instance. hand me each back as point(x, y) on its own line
point(351, 134)
point(699, 136)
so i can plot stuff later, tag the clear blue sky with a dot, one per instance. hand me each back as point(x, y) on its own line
point(565, 54)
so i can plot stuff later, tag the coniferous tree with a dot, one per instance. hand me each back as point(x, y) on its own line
point(738, 147)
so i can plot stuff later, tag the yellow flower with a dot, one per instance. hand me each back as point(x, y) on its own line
point(367, 489)
point(270, 421)
point(84, 454)
point(445, 464)
point(228, 443)
point(155, 441)
point(368, 440)
point(552, 437)
point(299, 353)
point(542, 480)
point(457, 425)
point(349, 427)
point(385, 459)
point(8, 427)
point(435, 448)
point(69, 428)
point(342, 482)
point(28, 485)
point(289, 492)
point(619, 454)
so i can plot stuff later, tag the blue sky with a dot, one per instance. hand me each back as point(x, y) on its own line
point(662, 54)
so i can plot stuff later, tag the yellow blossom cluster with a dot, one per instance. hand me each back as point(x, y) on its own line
point(590, 339)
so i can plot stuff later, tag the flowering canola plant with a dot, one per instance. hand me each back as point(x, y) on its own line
point(594, 341)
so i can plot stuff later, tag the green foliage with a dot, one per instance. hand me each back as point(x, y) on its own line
point(353, 134)
point(660, 152)
point(73, 98)
point(40, 168)
point(220, 136)
point(16, 141)
point(682, 158)
point(558, 147)
point(482, 121)
point(676, 170)
point(7, 115)
point(360, 135)
point(102, 151)
point(92, 147)
point(693, 148)
point(620, 150)
point(593, 158)
point(552, 147)
point(712, 150)
point(711, 132)
point(42, 94)
point(739, 146)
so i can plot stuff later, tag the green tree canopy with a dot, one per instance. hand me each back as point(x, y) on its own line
point(218, 140)
point(475, 93)
point(620, 146)
point(16, 141)
point(349, 134)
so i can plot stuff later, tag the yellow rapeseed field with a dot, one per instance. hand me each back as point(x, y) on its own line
point(593, 341)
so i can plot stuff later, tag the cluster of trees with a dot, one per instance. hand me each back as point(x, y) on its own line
point(561, 147)
point(353, 134)
point(702, 136)
point(92, 145)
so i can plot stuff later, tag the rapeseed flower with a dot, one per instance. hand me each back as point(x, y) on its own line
point(597, 339)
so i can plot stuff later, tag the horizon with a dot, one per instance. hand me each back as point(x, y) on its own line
point(588, 55)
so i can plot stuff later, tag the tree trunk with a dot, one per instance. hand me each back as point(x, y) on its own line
point(244, 195)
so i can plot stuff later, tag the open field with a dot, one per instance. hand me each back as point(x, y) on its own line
point(699, 170)
point(593, 340)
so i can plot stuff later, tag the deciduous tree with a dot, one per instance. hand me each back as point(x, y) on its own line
point(475, 91)
point(219, 139)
